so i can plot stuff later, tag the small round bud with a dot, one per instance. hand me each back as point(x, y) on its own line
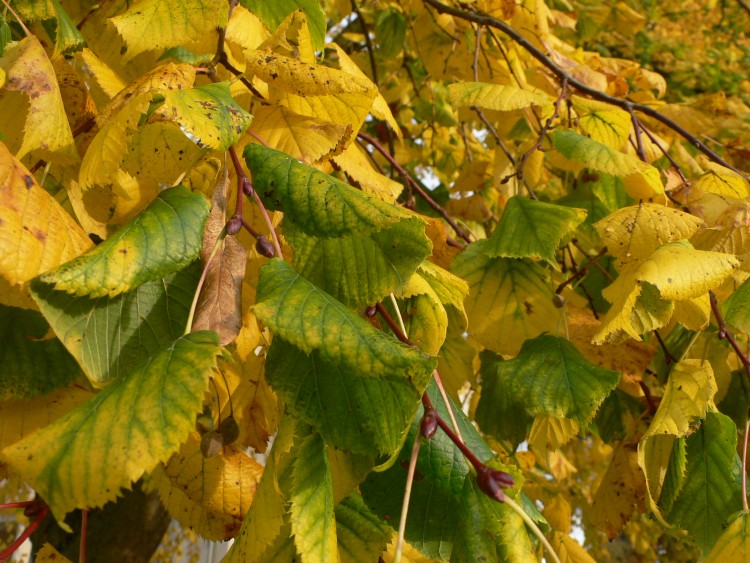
point(264, 247)
point(558, 301)
point(491, 481)
point(234, 225)
point(211, 444)
point(247, 188)
point(371, 311)
point(429, 424)
point(230, 430)
point(33, 509)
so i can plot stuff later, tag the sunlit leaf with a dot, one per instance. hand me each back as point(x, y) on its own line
point(427, 320)
point(722, 181)
point(496, 97)
point(603, 122)
point(532, 229)
point(273, 13)
point(734, 543)
point(360, 172)
point(167, 392)
point(110, 336)
point(164, 238)
point(33, 364)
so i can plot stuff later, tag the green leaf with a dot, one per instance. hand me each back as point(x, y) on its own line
point(390, 29)
point(736, 308)
point(32, 364)
point(67, 37)
point(532, 229)
point(72, 463)
point(674, 478)
point(362, 536)
point(5, 37)
point(551, 377)
point(273, 13)
point(617, 414)
point(734, 543)
point(164, 238)
point(713, 489)
point(313, 519)
point(353, 245)
point(207, 114)
point(110, 336)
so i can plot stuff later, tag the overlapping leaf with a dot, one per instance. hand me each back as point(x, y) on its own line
point(723, 182)
point(362, 536)
point(164, 238)
point(353, 245)
point(604, 123)
point(496, 97)
point(737, 308)
point(148, 413)
point(273, 13)
point(111, 336)
point(734, 543)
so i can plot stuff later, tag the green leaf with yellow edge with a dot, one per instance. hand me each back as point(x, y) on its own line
point(602, 122)
point(150, 25)
point(37, 234)
point(641, 180)
point(208, 495)
point(713, 487)
point(33, 10)
point(164, 238)
point(362, 536)
point(312, 515)
point(273, 13)
point(67, 37)
point(33, 364)
point(427, 320)
point(30, 76)
point(722, 181)
point(532, 229)
point(449, 288)
point(509, 301)
point(111, 336)
point(655, 455)
point(736, 308)
point(680, 272)
point(688, 394)
point(633, 233)
point(353, 245)
point(306, 138)
point(734, 543)
point(148, 414)
point(208, 114)
point(551, 377)
point(497, 97)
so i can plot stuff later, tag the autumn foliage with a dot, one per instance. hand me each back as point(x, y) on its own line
point(424, 280)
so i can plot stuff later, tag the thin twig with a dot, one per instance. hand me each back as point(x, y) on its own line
point(546, 61)
point(202, 280)
point(18, 18)
point(725, 334)
point(11, 549)
point(668, 357)
point(582, 271)
point(415, 185)
point(744, 466)
point(407, 498)
point(84, 533)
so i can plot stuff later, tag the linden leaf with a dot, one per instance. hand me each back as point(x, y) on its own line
point(722, 181)
point(680, 272)
point(32, 365)
point(496, 97)
point(105, 77)
point(164, 238)
point(273, 13)
point(111, 336)
point(713, 487)
point(359, 170)
point(353, 245)
point(36, 234)
point(427, 323)
point(49, 554)
point(207, 114)
point(219, 307)
point(730, 232)
point(619, 492)
point(551, 377)
point(150, 25)
point(149, 413)
point(602, 122)
point(734, 543)
point(312, 515)
point(737, 308)
point(362, 536)
point(641, 180)
point(509, 300)
point(306, 138)
point(46, 131)
point(633, 233)
point(532, 229)
point(211, 496)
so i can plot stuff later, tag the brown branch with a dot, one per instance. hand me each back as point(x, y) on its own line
point(744, 5)
point(545, 60)
point(581, 272)
point(415, 185)
point(724, 334)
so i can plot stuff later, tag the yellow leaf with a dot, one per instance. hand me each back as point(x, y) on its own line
point(730, 232)
point(722, 181)
point(209, 495)
point(108, 81)
point(305, 138)
point(693, 314)
point(160, 24)
point(559, 513)
point(36, 234)
point(734, 543)
point(29, 73)
point(653, 458)
point(360, 171)
point(79, 106)
point(380, 108)
point(427, 319)
point(633, 233)
point(619, 492)
point(688, 394)
point(603, 122)
point(245, 30)
point(549, 433)
point(569, 550)
point(681, 272)
point(49, 554)
point(497, 97)
point(21, 418)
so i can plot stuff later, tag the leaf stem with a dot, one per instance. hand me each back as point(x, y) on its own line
point(407, 497)
point(11, 549)
point(415, 185)
point(21, 504)
point(202, 280)
point(84, 533)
